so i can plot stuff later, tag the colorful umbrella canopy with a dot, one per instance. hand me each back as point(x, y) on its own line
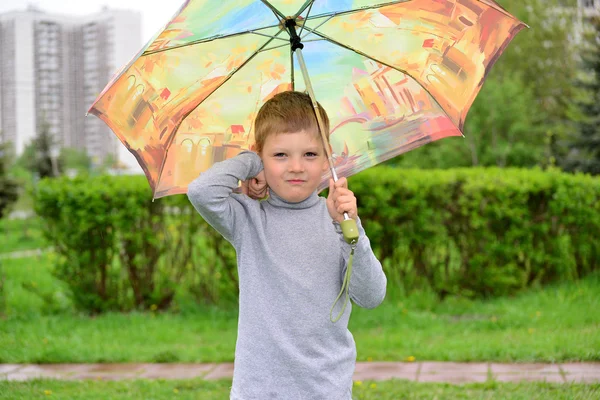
point(392, 75)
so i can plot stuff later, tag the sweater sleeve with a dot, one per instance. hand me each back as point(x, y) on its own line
point(212, 196)
point(368, 281)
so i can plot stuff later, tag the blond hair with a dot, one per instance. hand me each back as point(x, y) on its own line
point(287, 112)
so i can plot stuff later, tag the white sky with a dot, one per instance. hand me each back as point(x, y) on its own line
point(155, 13)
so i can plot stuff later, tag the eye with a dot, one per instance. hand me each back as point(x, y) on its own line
point(311, 154)
point(279, 155)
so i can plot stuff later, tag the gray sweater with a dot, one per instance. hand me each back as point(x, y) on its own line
point(291, 260)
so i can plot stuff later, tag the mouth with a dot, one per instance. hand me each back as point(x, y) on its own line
point(295, 181)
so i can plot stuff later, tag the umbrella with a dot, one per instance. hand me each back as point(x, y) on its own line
point(393, 75)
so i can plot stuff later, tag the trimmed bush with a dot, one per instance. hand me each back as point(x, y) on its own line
point(467, 232)
point(480, 232)
point(121, 251)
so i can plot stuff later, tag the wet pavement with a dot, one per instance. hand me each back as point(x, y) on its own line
point(23, 254)
point(449, 372)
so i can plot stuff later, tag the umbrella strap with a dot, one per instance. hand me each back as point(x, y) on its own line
point(345, 288)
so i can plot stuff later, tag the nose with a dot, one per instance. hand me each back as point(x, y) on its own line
point(296, 165)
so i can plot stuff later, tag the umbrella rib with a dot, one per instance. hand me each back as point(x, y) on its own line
point(360, 9)
point(307, 3)
point(210, 39)
point(318, 26)
point(387, 65)
point(287, 44)
point(262, 50)
point(275, 11)
point(269, 36)
point(315, 40)
point(307, 14)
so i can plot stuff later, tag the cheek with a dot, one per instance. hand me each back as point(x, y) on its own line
point(322, 166)
point(318, 170)
point(270, 174)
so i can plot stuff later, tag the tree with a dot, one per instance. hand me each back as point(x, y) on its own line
point(74, 159)
point(37, 156)
point(584, 145)
point(8, 187)
point(501, 130)
point(109, 161)
point(545, 55)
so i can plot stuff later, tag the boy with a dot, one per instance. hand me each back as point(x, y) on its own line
point(291, 257)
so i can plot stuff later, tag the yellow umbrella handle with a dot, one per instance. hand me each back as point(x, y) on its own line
point(349, 230)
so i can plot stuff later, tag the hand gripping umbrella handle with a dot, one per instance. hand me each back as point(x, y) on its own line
point(349, 227)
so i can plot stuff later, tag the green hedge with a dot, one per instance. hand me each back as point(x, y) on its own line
point(469, 232)
point(480, 232)
point(118, 250)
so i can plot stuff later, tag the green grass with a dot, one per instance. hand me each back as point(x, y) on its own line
point(218, 390)
point(556, 324)
point(30, 289)
point(21, 234)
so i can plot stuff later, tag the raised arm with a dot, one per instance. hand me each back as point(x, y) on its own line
point(211, 192)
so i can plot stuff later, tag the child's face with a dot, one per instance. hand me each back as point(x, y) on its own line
point(293, 164)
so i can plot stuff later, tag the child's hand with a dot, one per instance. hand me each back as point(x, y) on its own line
point(256, 188)
point(340, 200)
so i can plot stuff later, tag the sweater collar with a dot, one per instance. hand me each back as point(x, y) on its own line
point(277, 201)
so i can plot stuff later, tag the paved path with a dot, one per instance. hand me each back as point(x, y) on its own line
point(449, 372)
point(24, 253)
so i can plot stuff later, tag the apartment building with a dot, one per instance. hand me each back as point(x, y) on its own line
point(589, 6)
point(581, 16)
point(52, 67)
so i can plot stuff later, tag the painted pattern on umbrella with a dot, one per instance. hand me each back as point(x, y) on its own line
point(392, 76)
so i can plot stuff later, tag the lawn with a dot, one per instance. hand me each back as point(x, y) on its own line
point(21, 234)
point(218, 390)
point(559, 323)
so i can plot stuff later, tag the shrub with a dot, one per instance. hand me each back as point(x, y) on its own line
point(466, 232)
point(121, 251)
point(480, 231)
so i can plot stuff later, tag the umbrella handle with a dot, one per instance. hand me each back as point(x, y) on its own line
point(349, 227)
point(349, 230)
